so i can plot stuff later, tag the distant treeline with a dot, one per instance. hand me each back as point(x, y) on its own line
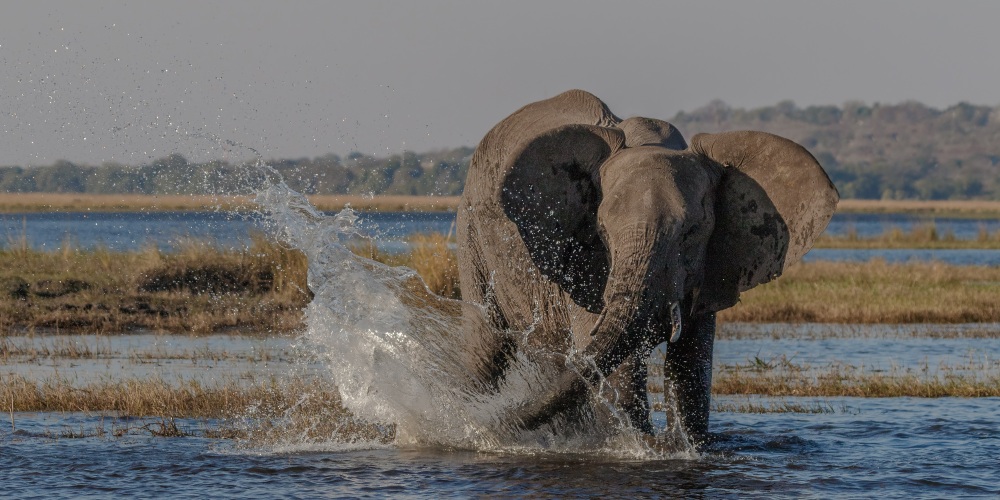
point(900, 151)
point(435, 173)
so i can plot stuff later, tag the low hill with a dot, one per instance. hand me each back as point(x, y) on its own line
point(900, 151)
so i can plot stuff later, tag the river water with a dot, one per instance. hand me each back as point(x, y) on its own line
point(134, 230)
point(396, 356)
point(858, 447)
point(886, 448)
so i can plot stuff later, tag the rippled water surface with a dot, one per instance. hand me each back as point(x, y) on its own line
point(889, 447)
point(894, 448)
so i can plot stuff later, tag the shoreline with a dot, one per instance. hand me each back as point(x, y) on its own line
point(82, 202)
point(11, 203)
point(202, 289)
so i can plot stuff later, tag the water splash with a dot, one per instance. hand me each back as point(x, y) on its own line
point(403, 356)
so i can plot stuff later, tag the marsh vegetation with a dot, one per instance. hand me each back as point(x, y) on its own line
point(203, 288)
point(261, 291)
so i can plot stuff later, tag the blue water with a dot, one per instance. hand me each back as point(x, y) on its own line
point(890, 448)
point(861, 447)
point(868, 225)
point(958, 257)
point(135, 230)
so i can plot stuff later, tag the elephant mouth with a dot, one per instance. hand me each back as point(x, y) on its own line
point(676, 325)
point(675, 316)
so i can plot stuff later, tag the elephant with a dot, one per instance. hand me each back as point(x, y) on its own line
point(608, 237)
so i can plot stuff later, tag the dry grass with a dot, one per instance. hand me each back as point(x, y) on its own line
point(839, 379)
point(387, 203)
point(35, 202)
point(432, 256)
point(39, 348)
point(198, 289)
point(977, 376)
point(941, 208)
point(133, 397)
point(924, 236)
point(748, 406)
point(203, 289)
point(874, 292)
point(77, 202)
point(261, 412)
point(898, 331)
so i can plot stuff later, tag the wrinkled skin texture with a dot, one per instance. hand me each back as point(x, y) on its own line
point(607, 237)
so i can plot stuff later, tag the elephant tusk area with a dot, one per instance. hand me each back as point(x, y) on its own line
point(675, 322)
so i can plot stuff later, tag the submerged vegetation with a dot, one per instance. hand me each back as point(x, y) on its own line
point(279, 407)
point(256, 412)
point(782, 377)
point(202, 288)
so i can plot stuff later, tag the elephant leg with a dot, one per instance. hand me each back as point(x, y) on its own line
point(688, 367)
point(571, 390)
point(488, 349)
point(629, 382)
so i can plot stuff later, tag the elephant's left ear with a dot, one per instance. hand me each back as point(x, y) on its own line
point(773, 201)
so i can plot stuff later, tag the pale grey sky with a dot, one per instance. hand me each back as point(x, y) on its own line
point(130, 81)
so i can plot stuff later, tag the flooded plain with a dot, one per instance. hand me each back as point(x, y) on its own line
point(388, 350)
point(797, 446)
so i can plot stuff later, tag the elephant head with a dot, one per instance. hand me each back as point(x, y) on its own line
point(641, 229)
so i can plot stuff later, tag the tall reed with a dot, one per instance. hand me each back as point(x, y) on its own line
point(874, 292)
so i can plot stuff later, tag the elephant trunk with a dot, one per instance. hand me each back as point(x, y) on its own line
point(643, 283)
point(642, 297)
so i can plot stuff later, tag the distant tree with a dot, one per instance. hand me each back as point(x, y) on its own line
point(61, 177)
point(16, 180)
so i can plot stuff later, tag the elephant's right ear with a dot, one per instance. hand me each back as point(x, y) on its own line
point(551, 193)
point(773, 201)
